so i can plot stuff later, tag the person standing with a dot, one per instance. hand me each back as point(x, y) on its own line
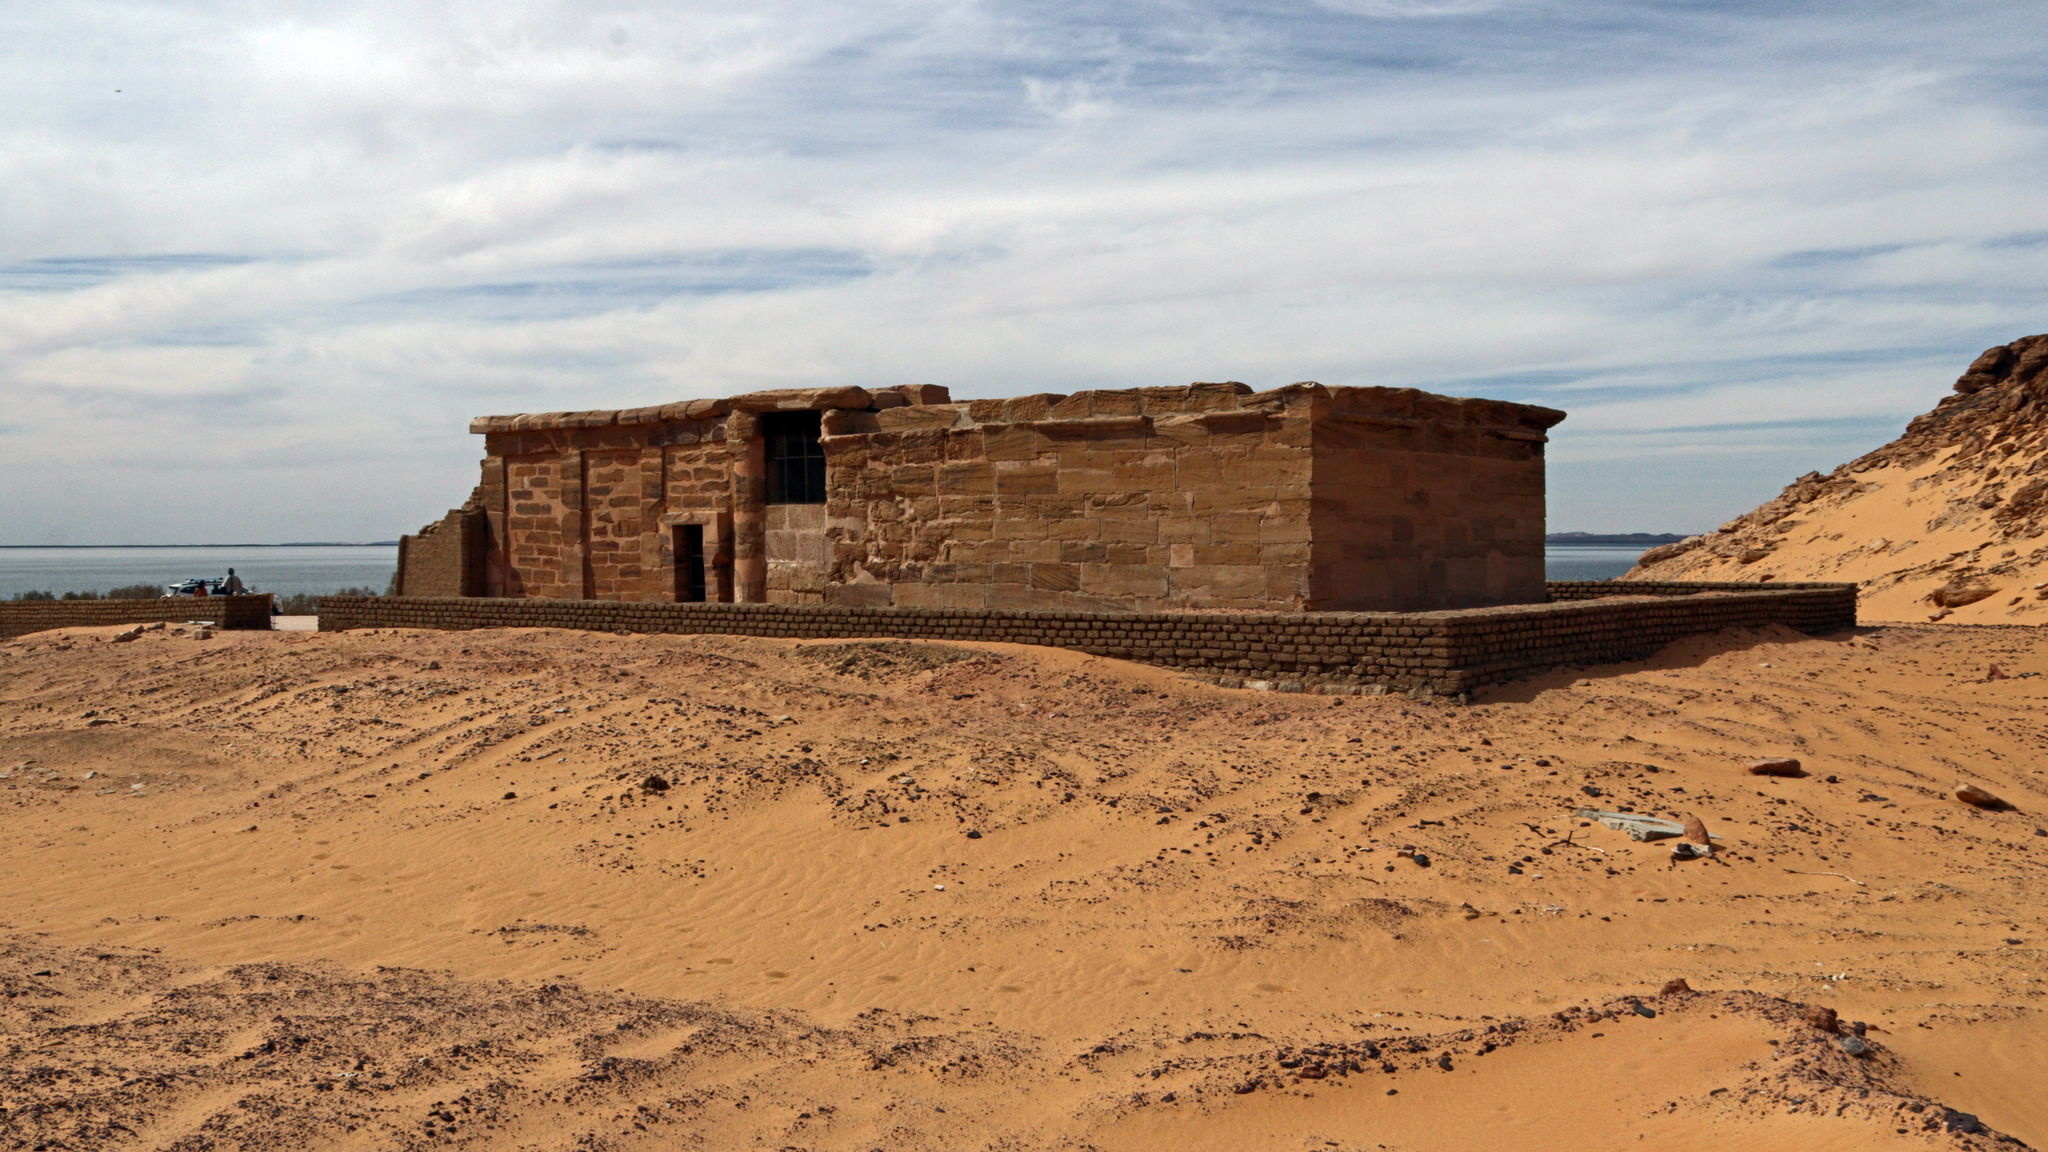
point(232, 586)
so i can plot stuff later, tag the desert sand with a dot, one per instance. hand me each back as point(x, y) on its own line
point(1945, 523)
point(531, 889)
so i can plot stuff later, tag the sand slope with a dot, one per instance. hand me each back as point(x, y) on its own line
point(408, 890)
point(1944, 523)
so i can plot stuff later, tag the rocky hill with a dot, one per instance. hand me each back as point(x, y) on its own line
point(1943, 523)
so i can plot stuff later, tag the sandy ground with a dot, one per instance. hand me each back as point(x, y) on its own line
point(538, 889)
point(1902, 533)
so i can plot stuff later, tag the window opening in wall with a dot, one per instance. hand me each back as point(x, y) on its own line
point(690, 563)
point(796, 460)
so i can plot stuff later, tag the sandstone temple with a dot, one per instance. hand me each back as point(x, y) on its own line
point(1210, 496)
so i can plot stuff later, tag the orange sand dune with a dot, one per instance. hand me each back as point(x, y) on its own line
point(538, 889)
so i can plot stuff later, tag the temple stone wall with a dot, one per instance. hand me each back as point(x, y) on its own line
point(1426, 507)
point(1139, 499)
point(1207, 496)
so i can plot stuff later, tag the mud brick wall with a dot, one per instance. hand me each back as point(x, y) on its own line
point(1443, 652)
point(1598, 589)
point(1499, 644)
point(21, 617)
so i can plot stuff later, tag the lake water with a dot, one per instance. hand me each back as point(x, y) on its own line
point(1589, 561)
point(284, 569)
point(321, 569)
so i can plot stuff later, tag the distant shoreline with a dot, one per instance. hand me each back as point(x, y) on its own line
point(1642, 539)
point(287, 544)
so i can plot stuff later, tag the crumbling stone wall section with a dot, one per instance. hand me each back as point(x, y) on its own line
point(445, 558)
point(1446, 653)
point(21, 617)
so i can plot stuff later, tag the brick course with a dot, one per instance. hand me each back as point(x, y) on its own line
point(1448, 652)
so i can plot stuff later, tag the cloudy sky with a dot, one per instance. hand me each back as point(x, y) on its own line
point(259, 263)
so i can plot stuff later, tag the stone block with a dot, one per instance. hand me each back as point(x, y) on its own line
point(1118, 580)
point(860, 595)
point(936, 595)
point(936, 418)
point(1128, 530)
point(976, 477)
point(914, 479)
point(1024, 598)
point(1193, 397)
point(1055, 577)
point(1012, 444)
point(1082, 480)
point(801, 399)
point(1017, 478)
point(1037, 406)
point(1083, 552)
point(1036, 551)
point(1147, 472)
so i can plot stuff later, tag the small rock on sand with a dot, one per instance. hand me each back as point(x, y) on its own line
point(1696, 830)
point(1674, 987)
point(1822, 1018)
point(1977, 796)
point(1776, 766)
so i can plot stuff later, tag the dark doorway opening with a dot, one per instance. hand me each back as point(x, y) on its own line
point(796, 459)
point(690, 563)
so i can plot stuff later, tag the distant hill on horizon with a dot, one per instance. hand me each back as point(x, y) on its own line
point(1645, 539)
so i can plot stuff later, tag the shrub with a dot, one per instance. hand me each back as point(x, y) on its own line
point(308, 603)
point(125, 592)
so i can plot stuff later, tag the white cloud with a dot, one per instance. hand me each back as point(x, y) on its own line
point(314, 241)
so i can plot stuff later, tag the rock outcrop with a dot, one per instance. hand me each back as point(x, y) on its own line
point(1946, 522)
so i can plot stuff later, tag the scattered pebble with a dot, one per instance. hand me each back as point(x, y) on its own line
point(1822, 1018)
